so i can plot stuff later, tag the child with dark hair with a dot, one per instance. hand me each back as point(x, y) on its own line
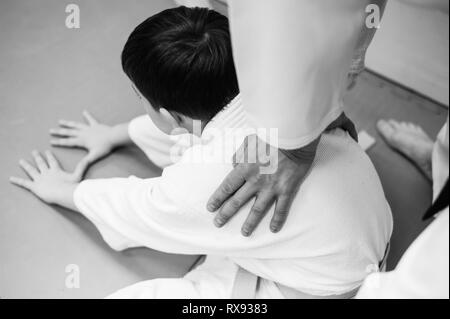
point(180, 64)
point(181, 60)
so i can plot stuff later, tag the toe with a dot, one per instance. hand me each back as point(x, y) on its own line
point(386, 129)
point(394, 124)
point(404, 126)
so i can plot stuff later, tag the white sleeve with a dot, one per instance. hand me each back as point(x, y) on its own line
point(440, 159)
point(293, 58)
point(160, 148)
point(133, 212)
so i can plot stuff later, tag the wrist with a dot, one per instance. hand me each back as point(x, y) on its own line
point(119, 136)
point(305, 154)
point(64, 195)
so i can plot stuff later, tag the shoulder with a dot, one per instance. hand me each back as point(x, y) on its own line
point(196, 175)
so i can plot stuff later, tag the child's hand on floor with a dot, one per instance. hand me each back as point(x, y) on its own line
point(98, 139)
point(48, 181)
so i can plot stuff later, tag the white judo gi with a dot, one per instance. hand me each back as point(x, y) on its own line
point(337, 231)
point(295, 60)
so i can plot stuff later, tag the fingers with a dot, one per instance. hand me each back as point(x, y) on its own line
point(232, 183)
point(31, 171)
point(27, 184)
point(71, 124)
point(262, 205)
point(234, 204)
point(39, 160)
point(64, 132)
point(89, 118)
point(282, 209)
point(66, 142)
point(51, 160)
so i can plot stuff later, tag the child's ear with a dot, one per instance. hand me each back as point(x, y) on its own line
point(179, 118)
point(182, 120)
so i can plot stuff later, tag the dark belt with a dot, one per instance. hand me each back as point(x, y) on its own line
point(439, 205)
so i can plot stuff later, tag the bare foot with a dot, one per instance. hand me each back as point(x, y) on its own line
point(410, 140)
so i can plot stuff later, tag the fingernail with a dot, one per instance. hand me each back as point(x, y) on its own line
point(274, 229)
point(246, 233)
point(211, 208)
point(218, 222)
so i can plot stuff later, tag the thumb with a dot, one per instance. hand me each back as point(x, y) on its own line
point(82, 167)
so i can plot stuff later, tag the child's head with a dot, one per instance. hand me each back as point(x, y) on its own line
point(181, 60)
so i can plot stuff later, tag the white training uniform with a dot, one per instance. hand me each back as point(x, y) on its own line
point(338, 229)
point(295, 60)
point(423, 271)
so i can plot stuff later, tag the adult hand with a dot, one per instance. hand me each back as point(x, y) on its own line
point(247, 181)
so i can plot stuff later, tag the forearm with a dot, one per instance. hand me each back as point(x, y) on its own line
point(279, 66)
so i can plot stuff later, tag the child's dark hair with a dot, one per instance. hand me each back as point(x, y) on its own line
point(181, 60)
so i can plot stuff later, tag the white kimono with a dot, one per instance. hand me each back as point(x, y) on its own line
point(295, 60)
point(423, 271)
point(337, 231)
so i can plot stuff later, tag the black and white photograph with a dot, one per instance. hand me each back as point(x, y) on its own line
point(239, 152)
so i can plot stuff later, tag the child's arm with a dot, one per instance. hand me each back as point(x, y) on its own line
point(97, 138)
point(48, 181)
point(100, 140)
point(133, 212)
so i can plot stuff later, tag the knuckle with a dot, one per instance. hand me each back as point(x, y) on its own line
point(235, 204)
point(258, 211)
point(224, 214)
point(282, 214)
point(227, 188)
point(259, 178)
